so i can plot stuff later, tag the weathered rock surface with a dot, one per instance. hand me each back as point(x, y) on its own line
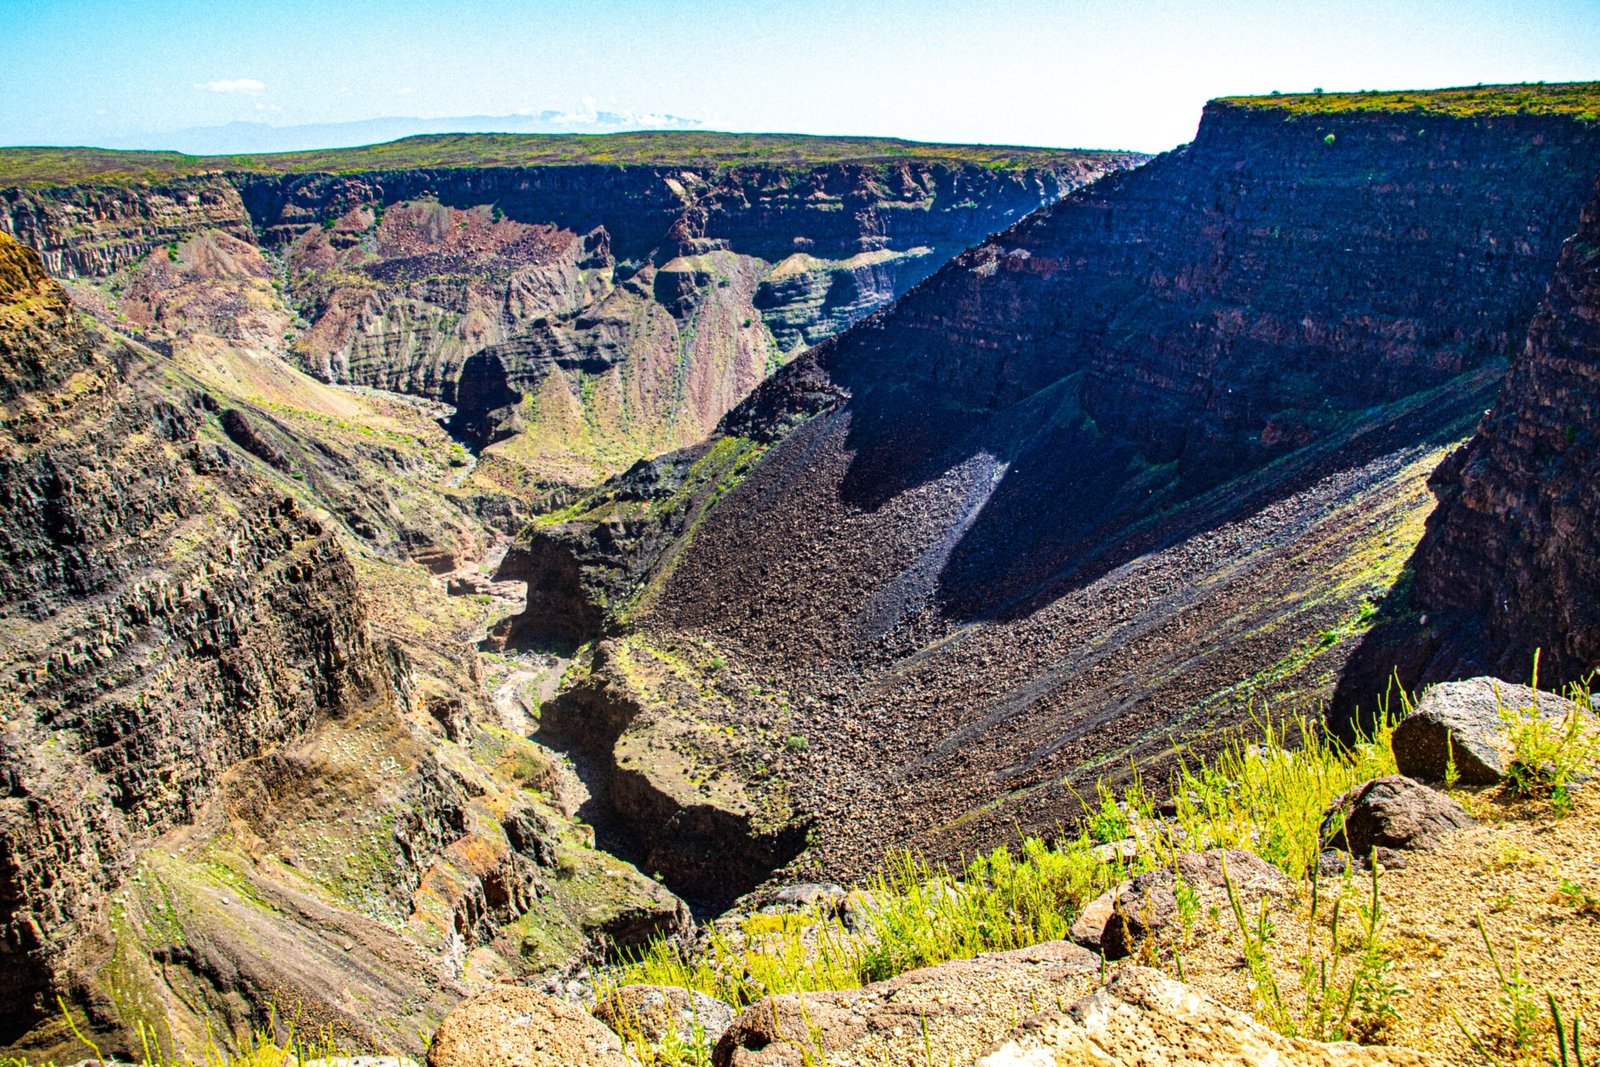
point(1147, 906)
point(514, 1027)
point(1144, 1019)
point(949, 1012)
point(222, 778)
point(1512, 557)
point(684, 766)
point(1089, 928)
point(1112, 444)
point(1464, 720)
point(1391, 813)
point(654, 1012)
point(578, 316)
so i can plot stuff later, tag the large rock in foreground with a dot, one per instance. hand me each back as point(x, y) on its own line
point(1393, 812)
point(514, 1027)
point(1144, 1019)
point(1463, 720)
point(943, 1014)
point(1147, 906)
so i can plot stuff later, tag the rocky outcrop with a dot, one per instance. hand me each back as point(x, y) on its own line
point(512, 1027)
point(682, 768)
point(230, 772)
point(1511, 562)
point(1128, 439)
point(1144, 1019)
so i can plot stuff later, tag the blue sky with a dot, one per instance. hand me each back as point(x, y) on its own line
point(1115, 73)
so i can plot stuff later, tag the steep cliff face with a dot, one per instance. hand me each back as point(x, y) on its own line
point(155, 635)
point(1511, 560)
point(244, 758)
point(96, 229)
point(1050, 508)
point(581, 317)
point(578, 316)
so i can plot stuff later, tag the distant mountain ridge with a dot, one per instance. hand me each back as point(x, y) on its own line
point(238, 137)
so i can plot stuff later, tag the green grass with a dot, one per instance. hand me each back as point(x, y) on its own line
point(1578, 100)
point(58, 166)
point(1265, 795)
point(281, 1043)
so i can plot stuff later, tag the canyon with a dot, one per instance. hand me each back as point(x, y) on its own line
point(462, 561)
point(577, 316)
point(1112, 482)
point(251, 753)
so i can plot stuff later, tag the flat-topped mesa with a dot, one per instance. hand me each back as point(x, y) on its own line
point(582, 301)
point(1061, 498)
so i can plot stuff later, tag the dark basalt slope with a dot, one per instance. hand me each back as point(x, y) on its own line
point(1510, 563)
point(1054, 505)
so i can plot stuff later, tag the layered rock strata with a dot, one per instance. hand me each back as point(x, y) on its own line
point(1151, 455)
point(578, 316)
point(1513, 555)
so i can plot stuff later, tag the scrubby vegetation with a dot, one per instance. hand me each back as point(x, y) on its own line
point(1579, 100)
point(1263, 795)
point(1321, 966)
point(57, 166)
point(1324, 965)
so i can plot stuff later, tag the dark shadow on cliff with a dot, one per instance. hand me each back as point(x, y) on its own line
point(1072, 503)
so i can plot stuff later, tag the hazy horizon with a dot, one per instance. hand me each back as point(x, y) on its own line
point(155, 74)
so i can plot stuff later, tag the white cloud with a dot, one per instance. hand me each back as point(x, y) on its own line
point(406, 90)
point(233, 85)
point(262, 105)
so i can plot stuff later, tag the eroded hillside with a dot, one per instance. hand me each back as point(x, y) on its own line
point(579, 311)
point(247, 759)
point(1105, 483)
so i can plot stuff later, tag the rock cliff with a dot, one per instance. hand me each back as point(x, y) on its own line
point(1510, 563)
point(244, 759)
point(1149, 456)
point(578, 316)
point(155, 635)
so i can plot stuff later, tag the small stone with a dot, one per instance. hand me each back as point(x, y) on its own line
point(1091, 922)
point(1123, 851)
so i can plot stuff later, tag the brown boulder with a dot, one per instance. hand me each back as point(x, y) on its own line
point(951, 1011)
point(1391, 813)
point(653, 1012)
point(1147, 906)
point(510, 1026)
point(1144, 1019)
